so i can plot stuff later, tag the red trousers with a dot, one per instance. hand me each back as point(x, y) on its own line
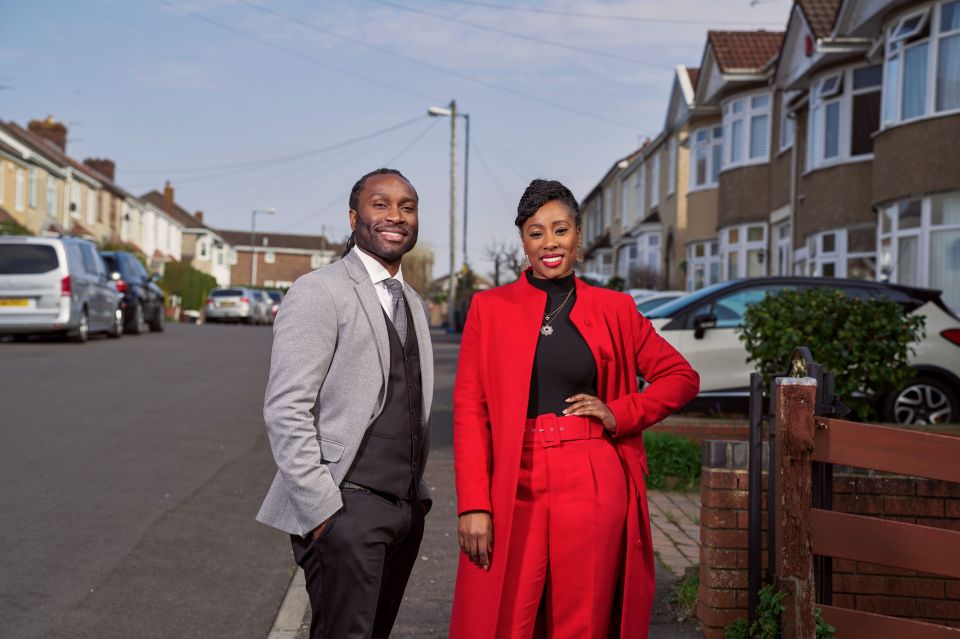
point(566, 546)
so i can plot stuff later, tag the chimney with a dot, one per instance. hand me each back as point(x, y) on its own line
point(105, 167)
point(199, 216)
point(50, 130)
point(167, 197)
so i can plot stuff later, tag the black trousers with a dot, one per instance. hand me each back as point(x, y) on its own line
point(357, 570)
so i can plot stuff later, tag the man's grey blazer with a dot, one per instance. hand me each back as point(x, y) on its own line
point(328, 374)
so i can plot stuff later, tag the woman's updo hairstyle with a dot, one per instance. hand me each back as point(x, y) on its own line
point(539, 193)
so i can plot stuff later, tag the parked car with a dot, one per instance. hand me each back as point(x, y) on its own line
point(276, 297)
point(650, 302)
point(143, 300)
point(56, 285)
point(703, 326)
point(264, 303)
point(236, 304)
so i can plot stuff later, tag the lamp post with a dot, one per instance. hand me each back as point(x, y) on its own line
point(253, 241)
point(450, 111)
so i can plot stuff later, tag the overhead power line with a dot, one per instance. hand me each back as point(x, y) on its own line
point(594, 16)
point(435, 67)
point(280, 159)
point(293, 52)
point(525, 37)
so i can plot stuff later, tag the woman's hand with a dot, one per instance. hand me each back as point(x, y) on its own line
point(590, 406)
point(475, 534)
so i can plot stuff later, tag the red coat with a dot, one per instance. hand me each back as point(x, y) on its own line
point(490, 405)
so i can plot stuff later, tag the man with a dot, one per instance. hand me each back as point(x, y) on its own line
point(346, 408)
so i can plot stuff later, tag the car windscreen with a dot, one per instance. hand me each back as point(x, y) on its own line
point(27, 259)
point(646, 306)
point(228, 292)
point(672, 308)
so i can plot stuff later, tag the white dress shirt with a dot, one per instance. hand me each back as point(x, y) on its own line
point(379, 274)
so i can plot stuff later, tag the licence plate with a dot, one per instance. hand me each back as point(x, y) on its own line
point(9, 301)
point(222, 304)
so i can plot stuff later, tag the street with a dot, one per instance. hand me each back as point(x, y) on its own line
point(132, 472)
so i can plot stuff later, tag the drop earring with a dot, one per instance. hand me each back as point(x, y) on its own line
point(579, 254)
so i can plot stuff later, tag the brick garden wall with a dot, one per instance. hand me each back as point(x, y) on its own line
point(856, 585)
point(700, 429)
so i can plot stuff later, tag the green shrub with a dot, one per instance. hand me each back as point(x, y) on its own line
point(193, 286)
point(674, 461)
point(12, 227)
point(684, 596)
point(865, 342)
point(767, 623)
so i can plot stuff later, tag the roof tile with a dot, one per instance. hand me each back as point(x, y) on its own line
point(744, 50)
point(820, 15)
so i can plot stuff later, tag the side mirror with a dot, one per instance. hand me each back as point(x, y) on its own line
point(701, 323)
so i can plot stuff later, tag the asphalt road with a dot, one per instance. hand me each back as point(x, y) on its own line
point(131, 472)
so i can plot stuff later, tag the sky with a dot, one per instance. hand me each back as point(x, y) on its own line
point(253, 104)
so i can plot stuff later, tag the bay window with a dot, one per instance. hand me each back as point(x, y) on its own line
point(746, 130)
point(844, 114)
point(706, 151)
point(51, 197)
point(672, 168)
point(743, 251)
point(919, 244)
point(639, 187)
point(922, 63)
point(703, 264)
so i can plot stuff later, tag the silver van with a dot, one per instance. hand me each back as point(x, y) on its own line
point(56, 285)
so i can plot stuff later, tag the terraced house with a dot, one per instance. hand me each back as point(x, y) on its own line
point(829, 149)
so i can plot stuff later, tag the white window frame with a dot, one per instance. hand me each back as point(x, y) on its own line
point(32, 191)
point(19, 190)
point(842, 95)
point(655, 179)
point(232, 258)
point(51, 196)
point(741, 110)
point(742, 247)
point(782, 244)
point(75, 200)
point(640, 189)
point(712, 137)
point(894, 49)
point(91, 206)
point(649, 250)
point(819, 258)
point(269, 256)
point(672, 168)
point(316, 260)
point(625, 217)
point(787, 131)
point(887, 265)
point(709, 257)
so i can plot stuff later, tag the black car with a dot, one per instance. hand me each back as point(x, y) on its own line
point(143, 300)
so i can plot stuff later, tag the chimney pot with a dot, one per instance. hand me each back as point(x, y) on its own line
point(50, 130)
point(167, 197)
point(104, 166)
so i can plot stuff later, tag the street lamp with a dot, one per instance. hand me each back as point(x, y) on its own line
point(253, 241)
point(451, 112)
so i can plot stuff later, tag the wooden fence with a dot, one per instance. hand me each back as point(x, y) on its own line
point(803, 531)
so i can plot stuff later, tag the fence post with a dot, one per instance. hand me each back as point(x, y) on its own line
point(796, 399)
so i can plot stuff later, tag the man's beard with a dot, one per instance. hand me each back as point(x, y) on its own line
point(368, 239)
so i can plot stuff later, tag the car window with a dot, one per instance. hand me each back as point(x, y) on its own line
point(141, 270)
point(227, 292)
point(648, 305)
point(729, 309)
point(27, 259)
point(113, 263)
point(90, 262)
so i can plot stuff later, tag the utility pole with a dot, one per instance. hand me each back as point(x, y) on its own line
point(451, 325)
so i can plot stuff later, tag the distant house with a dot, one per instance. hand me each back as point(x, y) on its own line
point(202, 247)
point(277, 259)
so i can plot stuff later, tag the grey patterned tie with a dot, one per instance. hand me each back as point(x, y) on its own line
point(398, 307)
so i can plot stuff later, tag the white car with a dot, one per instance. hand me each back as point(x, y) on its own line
point(703, 327)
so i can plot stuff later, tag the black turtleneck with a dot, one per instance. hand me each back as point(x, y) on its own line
point(564, 364)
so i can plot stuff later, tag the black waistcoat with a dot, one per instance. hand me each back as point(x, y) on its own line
point(390, 456)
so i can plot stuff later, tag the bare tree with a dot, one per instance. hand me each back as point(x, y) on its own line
point(643, 277)
point(507, 257)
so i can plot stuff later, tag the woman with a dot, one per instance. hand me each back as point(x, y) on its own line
point(548, 449)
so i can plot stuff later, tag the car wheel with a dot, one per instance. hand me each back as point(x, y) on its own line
point(138, 325)
point(156, 322)
point(923, 400)
point(80, 334)
point(116, 330)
